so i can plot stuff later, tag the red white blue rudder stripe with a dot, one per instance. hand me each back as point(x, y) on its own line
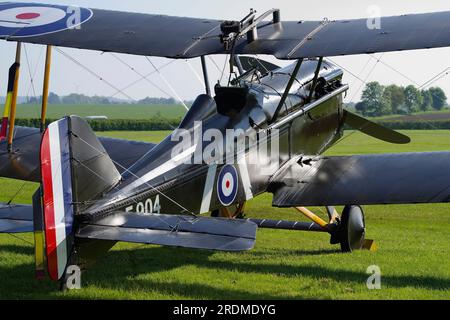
point(58, 210)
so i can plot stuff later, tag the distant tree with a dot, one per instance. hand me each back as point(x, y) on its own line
point(396, 95)
point(53, 98)
point(427, 100)
point(439, 98)
point(99, 100)
point(34, 100)
point(413, 99)
point(157, 101)
point(75, 98)
point(374, 101)
point(360, 107)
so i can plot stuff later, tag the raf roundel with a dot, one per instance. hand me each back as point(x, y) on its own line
point(227, 185)
point(21, 20)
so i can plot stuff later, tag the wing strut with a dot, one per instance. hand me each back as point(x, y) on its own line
point(48, 61)
point(11, 105)
point(205, 76)
point(314, 83)
point(288, 88)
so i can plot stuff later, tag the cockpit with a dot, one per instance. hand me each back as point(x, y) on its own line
point(271, 87)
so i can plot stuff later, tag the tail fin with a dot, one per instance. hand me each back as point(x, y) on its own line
point(75, 170)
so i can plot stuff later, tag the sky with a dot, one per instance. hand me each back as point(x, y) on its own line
point(404, 68)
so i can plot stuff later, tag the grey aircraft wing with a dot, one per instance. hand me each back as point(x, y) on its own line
point(180, 37)
point(173, 230)
point(168, 230)
point(16, 218)
point(363, 180)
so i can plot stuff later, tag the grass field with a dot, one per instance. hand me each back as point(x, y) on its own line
point(413, 254)
point(127, 111)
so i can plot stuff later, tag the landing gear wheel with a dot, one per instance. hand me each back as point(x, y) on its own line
point(352, 229)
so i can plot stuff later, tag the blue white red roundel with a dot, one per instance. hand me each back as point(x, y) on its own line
point(28, 20)
point(227, 185)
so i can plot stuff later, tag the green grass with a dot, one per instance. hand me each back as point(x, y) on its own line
point(127, 111)
point(413, 253)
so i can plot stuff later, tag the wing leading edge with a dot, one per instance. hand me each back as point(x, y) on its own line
point(368, 179)
point(179, 37)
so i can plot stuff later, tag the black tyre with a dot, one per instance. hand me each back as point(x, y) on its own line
point(352, 229)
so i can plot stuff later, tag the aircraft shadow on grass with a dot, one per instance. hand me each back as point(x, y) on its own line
point(128, 265)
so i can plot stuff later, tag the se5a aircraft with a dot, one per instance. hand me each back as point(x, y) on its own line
point(96, 191)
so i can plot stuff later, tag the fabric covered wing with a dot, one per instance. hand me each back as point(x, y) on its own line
point(16, 218)
point(177, 37)
point(23, 164)
point(173, 230)
point(368, 179)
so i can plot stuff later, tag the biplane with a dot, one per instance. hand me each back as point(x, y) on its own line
point(94, 191)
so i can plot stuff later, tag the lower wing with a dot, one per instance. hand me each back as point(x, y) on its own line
point(367, 179)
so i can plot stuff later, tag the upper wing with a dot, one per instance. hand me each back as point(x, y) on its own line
point(177, 37)
point(368, 179)
point(23, 163)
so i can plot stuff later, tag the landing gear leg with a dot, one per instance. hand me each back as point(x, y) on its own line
point(226, 213)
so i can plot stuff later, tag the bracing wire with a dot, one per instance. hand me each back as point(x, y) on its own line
point(96, 75)
point(167, 83)
point(137, 177)
point(367, 77)
point(142, 77)
point(146, 76)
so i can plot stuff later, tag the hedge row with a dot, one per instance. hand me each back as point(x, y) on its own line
point(162, 124)
point(416, 125)
point(115, 124)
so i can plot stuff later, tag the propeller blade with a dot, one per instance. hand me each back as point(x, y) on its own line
point(374, 130)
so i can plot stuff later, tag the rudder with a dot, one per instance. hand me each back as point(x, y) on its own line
point(70, 156)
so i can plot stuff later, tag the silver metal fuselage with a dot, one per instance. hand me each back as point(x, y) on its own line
point(304, 128)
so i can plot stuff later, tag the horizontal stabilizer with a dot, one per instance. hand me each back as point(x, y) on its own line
point(16, 218)
point(174, 230)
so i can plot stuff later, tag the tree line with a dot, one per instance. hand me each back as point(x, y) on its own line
point(378, 100)
point(81, 99)
point(153, 124)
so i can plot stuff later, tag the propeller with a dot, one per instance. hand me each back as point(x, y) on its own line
point(374, 130)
